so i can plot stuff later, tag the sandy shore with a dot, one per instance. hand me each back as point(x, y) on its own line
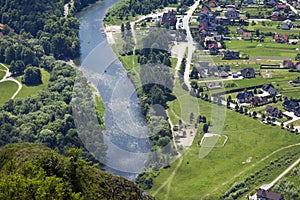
point(109, 31)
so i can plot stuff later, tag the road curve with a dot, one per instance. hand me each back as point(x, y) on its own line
point(191, 43)
point(8, 78)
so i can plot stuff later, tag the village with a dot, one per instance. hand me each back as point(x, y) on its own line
point(244, 57)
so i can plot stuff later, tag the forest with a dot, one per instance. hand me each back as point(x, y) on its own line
point(37, 35)
point(32, 171)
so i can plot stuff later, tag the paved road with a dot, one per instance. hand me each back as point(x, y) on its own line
point(268, 186)
point(191, 43)
point(292, 8)
point(8, 78)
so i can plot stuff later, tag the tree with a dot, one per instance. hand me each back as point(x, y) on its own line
point(32, 76)
point(5, 30)
point(194, 85)
point(17, 68)
point(257, 32)
point(205, 128)
point(254, 114)
point(255, 91)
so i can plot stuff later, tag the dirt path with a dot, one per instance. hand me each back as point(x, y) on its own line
point(268, 186)
point(243, 171)
point(169, 180)
point(8, 78)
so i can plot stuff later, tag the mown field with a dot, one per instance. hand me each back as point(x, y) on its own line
point(215, 173)
point(32, 90)
point(7, 89)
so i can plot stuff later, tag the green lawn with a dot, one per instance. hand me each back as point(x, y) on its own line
point(33, 90)
point(296, 123)
point(100, 110)
point(7, 89)
point(269, 49)
point(247, 138)
point(2, 74)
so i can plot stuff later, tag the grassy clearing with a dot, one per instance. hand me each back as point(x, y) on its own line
point(268, 48)
point(2, 74)
point(7, 89)
point(33, 90)
point(100, 110)
point(247, 138)
point(129, 61)
point(296, 123)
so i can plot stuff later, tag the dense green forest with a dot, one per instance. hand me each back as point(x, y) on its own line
point(32, 171)
point(157, 80)
point(39, 36)
point(47, 117)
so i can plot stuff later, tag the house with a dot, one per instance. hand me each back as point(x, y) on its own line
point(240, 30)
point(246, 35)
point(231, 55)
point(212, 4)
point(266, 87)
point(231, 12)
point(271, 3)
point(259, 101)
point(273, 112)
point(282, 6)
point(244, 97)
point(248, 72)
point(223, 74)
point(290, 105)
point(213, 50)
point(288, 64)
point(227, 68)
point(268, 195)
point(270, 89)
point(212, 86)
point(169, 19)
point(205, 8)
point(281, 38)
point(286, 25)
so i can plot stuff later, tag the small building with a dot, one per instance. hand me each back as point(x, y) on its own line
point(240, 30)
point(223, 74)
point(259, 101)
point(246, 35)
point(212, 86)
point(244, 97)
point(288, 64)
point(212, 3)
point(169, 19)
point(273, 112)
point(281, 38)
point(286, 25)
point(213, 51)
point(268, 195)
point(290, 105)
point(248, 72)
point(231, 55)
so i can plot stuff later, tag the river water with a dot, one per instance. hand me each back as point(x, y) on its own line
point(126, 134)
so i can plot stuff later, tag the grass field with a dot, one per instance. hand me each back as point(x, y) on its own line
point(268, 48)
point(7, 89)
point(100, 109)
point(223, 166)
point(2, 74)
point(296, 123)
point(33, 90)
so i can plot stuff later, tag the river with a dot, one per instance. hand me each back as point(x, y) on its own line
point(126, 134)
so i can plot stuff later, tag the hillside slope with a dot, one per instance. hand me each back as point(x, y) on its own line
point(32, 171)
